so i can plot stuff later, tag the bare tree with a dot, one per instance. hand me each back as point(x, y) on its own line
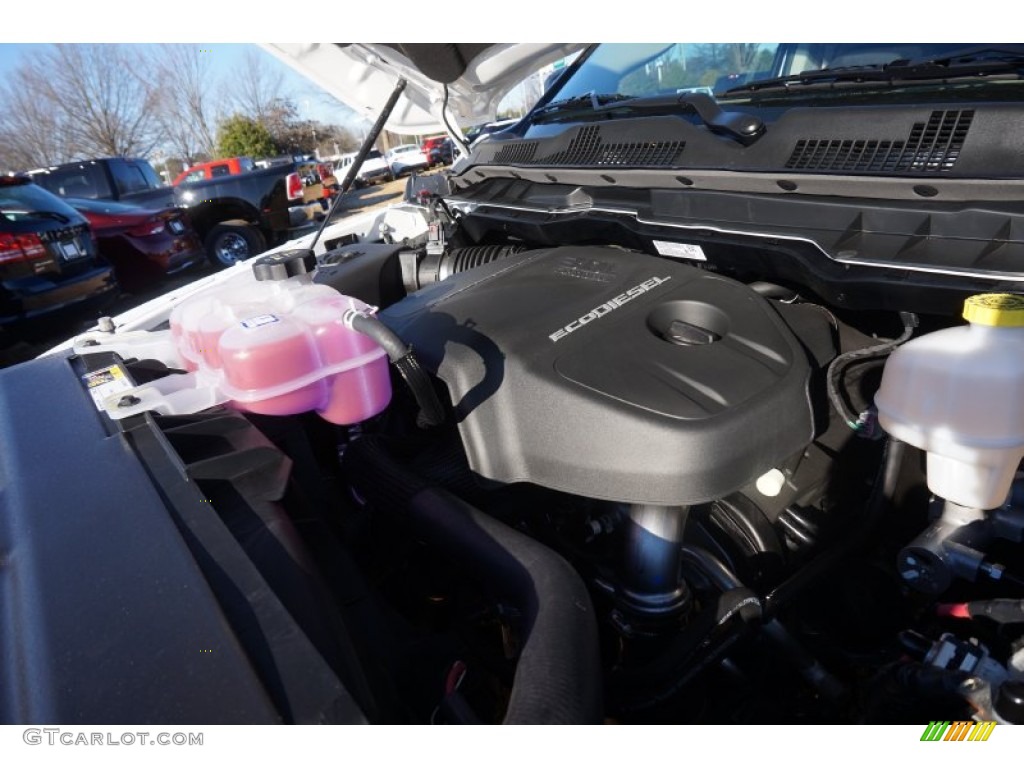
point(76, 101)
point(258, 88)
point(110, 90)
point(32, 133)
point(186, 109)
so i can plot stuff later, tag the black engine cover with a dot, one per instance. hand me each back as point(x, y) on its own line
point(613, 375)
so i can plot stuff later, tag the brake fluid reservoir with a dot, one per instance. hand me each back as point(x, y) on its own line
point(959, 395)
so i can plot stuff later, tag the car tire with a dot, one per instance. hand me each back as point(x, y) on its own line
point(228, 244)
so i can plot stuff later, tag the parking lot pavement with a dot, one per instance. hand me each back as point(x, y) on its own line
point(378, 196)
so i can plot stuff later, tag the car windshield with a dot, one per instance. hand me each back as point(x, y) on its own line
point(615, 71)
point(649, 69)
point(82, 180)
point(26, 201)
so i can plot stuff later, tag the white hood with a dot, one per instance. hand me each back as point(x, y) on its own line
point(362, 75)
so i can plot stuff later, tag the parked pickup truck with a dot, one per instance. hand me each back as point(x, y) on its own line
point(237, 216)
point(215, 169)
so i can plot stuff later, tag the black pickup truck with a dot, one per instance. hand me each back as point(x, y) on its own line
point(237, 216)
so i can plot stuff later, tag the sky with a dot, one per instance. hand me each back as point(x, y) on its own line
point(311, 100)
point(238, 25)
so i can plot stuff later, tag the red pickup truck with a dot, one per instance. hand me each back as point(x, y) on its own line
point(227, 166)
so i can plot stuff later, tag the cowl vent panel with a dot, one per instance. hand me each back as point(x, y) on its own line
point(588, 149)
point(932, 147)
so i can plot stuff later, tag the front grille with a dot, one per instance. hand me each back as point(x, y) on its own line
point(932, 147)
point(588, 149)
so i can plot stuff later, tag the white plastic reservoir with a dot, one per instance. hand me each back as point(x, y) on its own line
point(269, 341)
point(959, 395)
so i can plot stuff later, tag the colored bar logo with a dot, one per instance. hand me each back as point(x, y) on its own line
point(959, 730)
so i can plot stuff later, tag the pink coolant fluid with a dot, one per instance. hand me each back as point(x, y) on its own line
point(363, 388)
point(279, 345)
point(185, 337)
point(271, 365)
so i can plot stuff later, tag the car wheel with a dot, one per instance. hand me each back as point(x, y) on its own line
point(229, 244)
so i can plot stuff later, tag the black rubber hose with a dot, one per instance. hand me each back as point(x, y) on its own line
point(437, 267)
point(715, 571)
point(712, 634)
point(558, 675)
point(878, 503)
point(725, 619)
point(836, 367)
point(401, 356)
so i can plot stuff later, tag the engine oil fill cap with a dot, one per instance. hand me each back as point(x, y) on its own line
point(688, 335)
point(1000, 310)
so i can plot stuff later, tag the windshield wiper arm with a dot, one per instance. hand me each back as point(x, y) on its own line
point(737, 125)
point(987, 54)
point(970, 62)
point(835, 74)
point(587, 102)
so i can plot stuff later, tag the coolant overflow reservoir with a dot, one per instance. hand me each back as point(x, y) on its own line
point(959, 395)
point(277, 344)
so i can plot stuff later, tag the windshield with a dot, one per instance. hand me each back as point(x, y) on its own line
point(650, 69)
point(26, 201)
point(647, 69)
point(80, 180)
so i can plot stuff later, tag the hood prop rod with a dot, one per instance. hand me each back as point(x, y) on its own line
point(364, 150)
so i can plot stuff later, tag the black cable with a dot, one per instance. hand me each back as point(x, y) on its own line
point(835, 368)
point(463, 147)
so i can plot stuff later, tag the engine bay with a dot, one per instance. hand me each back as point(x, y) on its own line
point(610, 485)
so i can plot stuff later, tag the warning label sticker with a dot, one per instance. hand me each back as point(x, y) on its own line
point(680, 250)
point(256, 322)
point(106, 382)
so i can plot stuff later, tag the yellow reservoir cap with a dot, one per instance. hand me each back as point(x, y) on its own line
point(1001, 310)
